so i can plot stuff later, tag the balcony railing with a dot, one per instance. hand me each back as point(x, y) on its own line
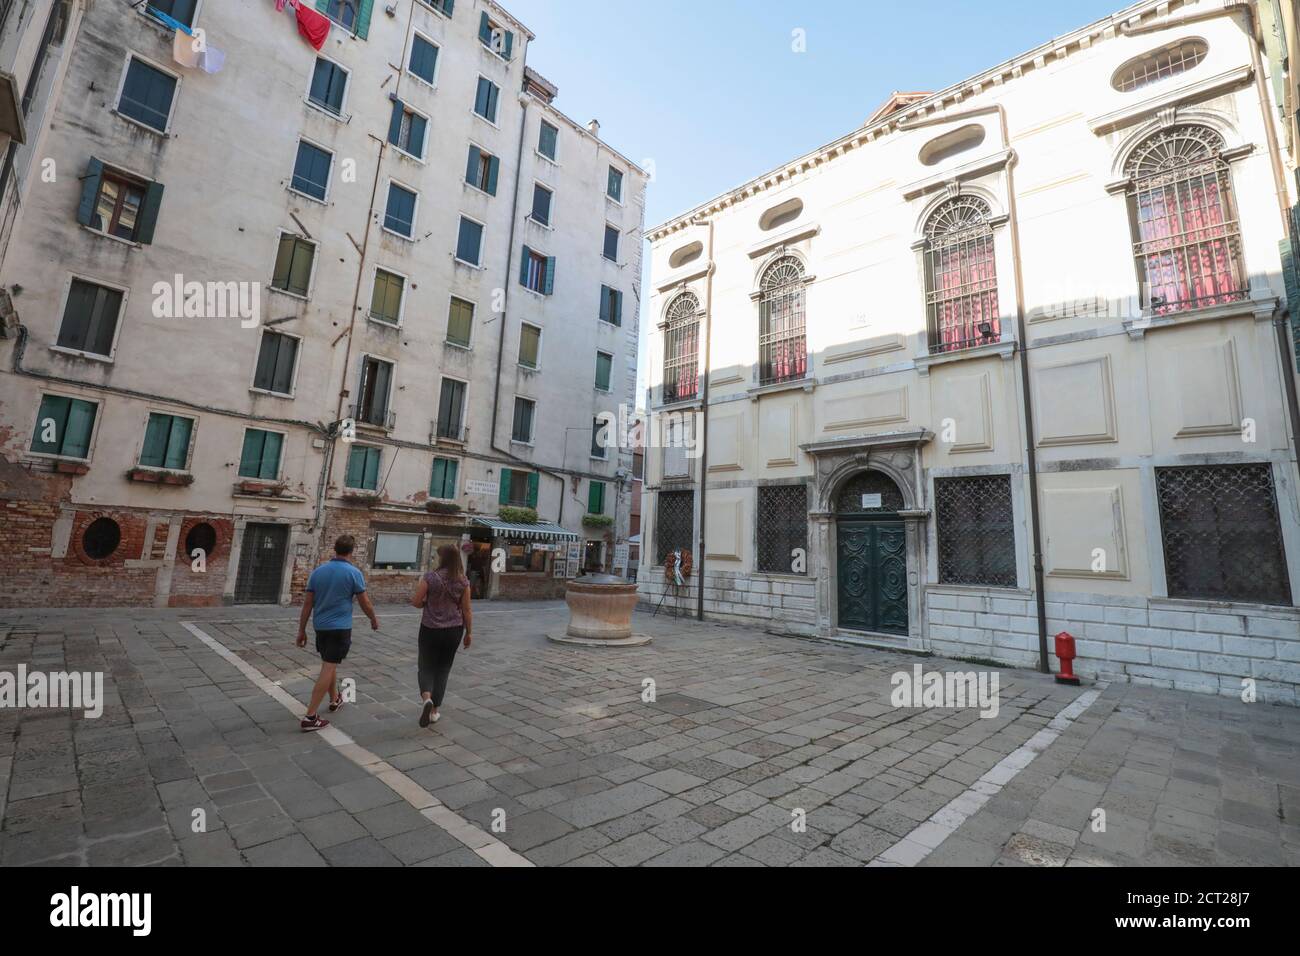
point(379, 417)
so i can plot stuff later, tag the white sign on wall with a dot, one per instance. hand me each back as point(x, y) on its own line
point(574, 555)
point(482, 488)
point(559, 568)
point(872, 501)
point(620, 558)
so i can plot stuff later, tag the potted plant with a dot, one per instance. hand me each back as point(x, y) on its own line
point(442, 507)
point(597, 521)
point(518, 515)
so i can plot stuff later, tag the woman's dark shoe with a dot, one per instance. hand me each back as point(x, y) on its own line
point(424, 714)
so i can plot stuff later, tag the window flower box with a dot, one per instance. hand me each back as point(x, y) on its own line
point(439, 507)
point(361, 496)
point(597, 521)
point(71, 467)
point(160, 477)
point(256, 486)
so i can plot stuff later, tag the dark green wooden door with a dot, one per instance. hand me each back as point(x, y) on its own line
point(871, 570)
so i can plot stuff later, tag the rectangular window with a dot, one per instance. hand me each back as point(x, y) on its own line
point(469, 242)
point(386, 299)
point(399, 214)
point(90, 318)
point(596, 498)
point(293, 264)
point(611, 244)
point(407, 130)
point(147, 95)
point(534, 271)
point(614, 186)
point(604, 370)
point(375, 392)
point(541, 204)
point(976, 531)
point(600, 437)
point(396, 551)
point(547, 139)
point(166, 442)
point(442, 6)
point(674, 523)
point(1222, 534)
point(451, 409)
point(424, 59)
point(481, 170)
point(276, 359)
point(260, 458)
point(530, 345)
point(611, 305)
point(525, 408)
point(118, 205)
point(311, 171)
point(442, 483)
point(363, 468)
point(485, 100)
point(495, 37)
point(329, 82)
point(64, 426)
point(782, 528)
point(182, 11)
point(460, 322)
point(518, 488)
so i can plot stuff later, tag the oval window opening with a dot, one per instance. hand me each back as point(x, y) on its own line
point(779, 215)
point(950, 144)
point(202, 537)
point(1159, 64)
point(101, 538)
point(687, 253)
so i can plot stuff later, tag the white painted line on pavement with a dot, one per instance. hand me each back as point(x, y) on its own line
point(925, 839)
point(482, 843)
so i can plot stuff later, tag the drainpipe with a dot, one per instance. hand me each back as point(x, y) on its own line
point(702, 437)
point(1031, 456)
point(1284, 345)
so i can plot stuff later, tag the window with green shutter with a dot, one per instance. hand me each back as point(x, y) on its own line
point(485, 99)
point(547, 139)
point(353, 15)
point(261, 455)
point(329, 83)
point(604, 370)
point(614, 187)
point(64, 426)
point(469, 242)
point(541, 205)
point(530, 345)
point(424, 59)
point(442, 484)
point(525, 409)
point(363, 468)
point(460, 322)
point(166, 442)
point(147, 94)
point(90, 318)
point(399, 213)
point(276, 358)
point(293, 265)
point(596, 498)
point(482, 170)
point(600, 435)
point(611, 305)
point(386, 299)
point(611, 244)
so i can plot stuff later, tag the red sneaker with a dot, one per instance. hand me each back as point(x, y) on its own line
point(309, 724)
point(336, 704)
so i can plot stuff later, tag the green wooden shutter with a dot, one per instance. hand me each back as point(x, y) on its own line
point(271, 450)
point(548, 281)
point(510, 43)
point(485, 30)
point(356, 468)
point(503, 495)
point(494, 167)
point(471, 167)
point(596, 498)
point(372, 469)
point(178, 443)
point(523, 266)
point(604, 370)
point(532, 489)
point(363, 18)
point(250, 458)
point(155, 441)
point(616, 306)
point(395, 122)
point(604, 303)
point(90, 191)
point(448, 6)
point(149, 213)
point(76, 434)
point(52, 407)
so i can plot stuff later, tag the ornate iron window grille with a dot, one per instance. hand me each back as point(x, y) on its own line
point(782, 339)
point(848, 500)
point(1187, 240)
point(976, 530)
point(1222, 538)
point(961, 282)
point(681, 348)
point(782, 527)
point(674, 522)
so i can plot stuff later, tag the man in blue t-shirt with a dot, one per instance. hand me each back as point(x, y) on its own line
point(328, 601)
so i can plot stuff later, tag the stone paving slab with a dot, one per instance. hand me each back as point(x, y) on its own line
point(559, 754)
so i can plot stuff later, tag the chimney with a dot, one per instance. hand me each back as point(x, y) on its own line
point(594, 127)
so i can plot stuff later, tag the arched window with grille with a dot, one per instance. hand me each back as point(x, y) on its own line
point(961, 279)
point(782, 338)
point(681, 348)
point(1187, 242)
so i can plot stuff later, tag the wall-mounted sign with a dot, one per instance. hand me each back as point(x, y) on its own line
point(559, 568)
point(872, 501)
point(482, 488)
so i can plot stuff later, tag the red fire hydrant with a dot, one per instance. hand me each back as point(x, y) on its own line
point(1065, 651)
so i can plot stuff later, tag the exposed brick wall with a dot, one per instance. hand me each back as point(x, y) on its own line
point(530, 587)
point(190, 588)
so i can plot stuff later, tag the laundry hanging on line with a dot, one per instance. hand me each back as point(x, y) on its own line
point(314, 27)
point(209, 59)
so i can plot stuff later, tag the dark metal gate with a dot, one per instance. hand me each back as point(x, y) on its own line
point(871, 573)
point(261, 564)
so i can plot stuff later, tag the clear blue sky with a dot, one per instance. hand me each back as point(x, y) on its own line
point(712, 92)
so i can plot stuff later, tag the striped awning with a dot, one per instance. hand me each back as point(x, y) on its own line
point(540, 531)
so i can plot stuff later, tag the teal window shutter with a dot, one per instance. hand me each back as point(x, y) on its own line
point(524, 262)
point(356, 467)
point(532, 489)
point(604, 303)
point(616, 306)
point(149, 213)
point(503, 496)
point(178, 443)
point(155, 440)
point(548, 283)
point(494, 167)
point(485, 30)
point(363, 18)
point(471, 167)
point(395, 122)
point(90, 191)
point(448, 6)
point(596, 498)
point(510, 44)
point(250, 458)
point(604, 370)
point(54, 408)
point(76, 433)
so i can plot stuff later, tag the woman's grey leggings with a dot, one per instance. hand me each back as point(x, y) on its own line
point(437, 652)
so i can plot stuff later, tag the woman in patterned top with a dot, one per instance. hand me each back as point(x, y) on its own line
point(444, 597)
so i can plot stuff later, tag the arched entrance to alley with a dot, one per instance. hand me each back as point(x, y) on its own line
point(870, 555)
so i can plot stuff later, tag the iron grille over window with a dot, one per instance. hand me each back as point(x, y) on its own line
point(674, 522)
point(681, 348)
point(1159, 65)
point(782, 527)
point(782, 343)
point(961, 281)
point(1222, 538)
point(1187, 241)
point(857, 495)
point(977, 538)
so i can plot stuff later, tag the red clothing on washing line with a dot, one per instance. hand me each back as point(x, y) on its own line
point(314, 27)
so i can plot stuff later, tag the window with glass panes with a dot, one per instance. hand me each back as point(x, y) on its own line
point(64, 427)
point(547, 139)
point(90, 318)
point(293, 264)
point(375, 391)
point(541, 204)
point(460, 322)
point(611, 305)
point(614, 186)
point(611, 244)
point(975, 528)
point(182, 11)
point(276, 358)
point(260, 457)
point(782, 528)
point(604, 370)
point(482, 170)
point(117, 208)
point(525, 408)
point(485, 99)
point(601, 436)
point(408, 130)
point(166, 441)
point(451, 409)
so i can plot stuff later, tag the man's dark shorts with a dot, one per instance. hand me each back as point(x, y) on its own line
point(333, 646)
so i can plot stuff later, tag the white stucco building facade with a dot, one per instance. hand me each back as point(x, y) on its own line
point(1013, 350)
